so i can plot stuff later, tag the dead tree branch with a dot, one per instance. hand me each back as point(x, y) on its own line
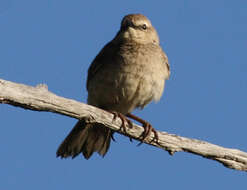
point(40, 99)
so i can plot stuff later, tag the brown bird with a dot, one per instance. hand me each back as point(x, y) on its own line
point(128, 73)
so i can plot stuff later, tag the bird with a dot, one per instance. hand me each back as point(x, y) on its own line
point(128, 73)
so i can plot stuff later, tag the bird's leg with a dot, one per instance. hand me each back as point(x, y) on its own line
point(147, 128)
point(124, 120)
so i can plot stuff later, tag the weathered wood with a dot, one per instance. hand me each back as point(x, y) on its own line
point(40, 99)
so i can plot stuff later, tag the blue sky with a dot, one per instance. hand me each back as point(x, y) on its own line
point(54, 41)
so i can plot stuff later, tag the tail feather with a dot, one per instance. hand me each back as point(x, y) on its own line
point(86, 139)
point(106, 144)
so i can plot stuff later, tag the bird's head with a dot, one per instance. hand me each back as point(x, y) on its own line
point(137, 28)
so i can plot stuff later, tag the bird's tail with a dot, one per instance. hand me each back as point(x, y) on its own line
point(85, 138)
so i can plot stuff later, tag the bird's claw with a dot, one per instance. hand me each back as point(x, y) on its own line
point(147, 131)
point(124, 121)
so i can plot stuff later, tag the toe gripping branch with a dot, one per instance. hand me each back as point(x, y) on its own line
point(147, 129)
point(147, 126)
point(124, 120)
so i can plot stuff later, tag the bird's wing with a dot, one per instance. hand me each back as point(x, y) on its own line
point(168, 67)
point(104, 57)
point(166, 62)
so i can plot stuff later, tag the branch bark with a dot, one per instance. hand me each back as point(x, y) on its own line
point(40, 99)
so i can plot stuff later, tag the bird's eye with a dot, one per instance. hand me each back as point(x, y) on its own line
point(144, 26)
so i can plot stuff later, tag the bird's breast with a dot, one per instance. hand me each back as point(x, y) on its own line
point(135, 78)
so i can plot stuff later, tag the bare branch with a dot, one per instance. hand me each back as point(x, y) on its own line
point(40, 99)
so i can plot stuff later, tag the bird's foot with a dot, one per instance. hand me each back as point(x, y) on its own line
point(112, 137)
point(124, 120)
point(147, 129)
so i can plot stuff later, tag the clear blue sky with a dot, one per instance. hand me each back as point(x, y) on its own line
point(54, 41)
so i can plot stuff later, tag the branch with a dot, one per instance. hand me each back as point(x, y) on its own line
point(40, 99)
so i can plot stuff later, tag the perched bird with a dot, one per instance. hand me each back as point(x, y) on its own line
point(128, 73)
